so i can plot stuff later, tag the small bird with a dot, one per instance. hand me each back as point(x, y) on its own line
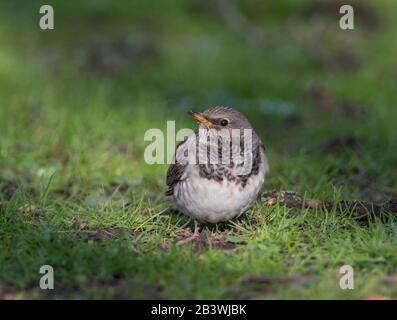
point(217, 191)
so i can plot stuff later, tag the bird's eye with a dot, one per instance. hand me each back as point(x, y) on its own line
point(223, 122)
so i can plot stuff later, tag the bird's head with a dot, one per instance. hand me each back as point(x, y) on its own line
point(221, 117)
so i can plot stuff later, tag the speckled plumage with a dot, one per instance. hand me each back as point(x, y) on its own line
point(217, 192)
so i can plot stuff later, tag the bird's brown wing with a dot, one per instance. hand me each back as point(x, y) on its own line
point(174, 173)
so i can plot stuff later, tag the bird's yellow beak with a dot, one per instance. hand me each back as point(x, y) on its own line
point(200, 118)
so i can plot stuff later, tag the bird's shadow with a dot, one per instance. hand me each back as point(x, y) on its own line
point(183, 221)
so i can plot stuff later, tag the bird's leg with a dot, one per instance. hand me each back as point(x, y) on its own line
point(196, 232)
point(195, 235)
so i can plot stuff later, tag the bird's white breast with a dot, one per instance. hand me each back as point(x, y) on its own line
point(214, 201)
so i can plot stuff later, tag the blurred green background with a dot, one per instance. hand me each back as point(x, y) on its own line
point(76, 101)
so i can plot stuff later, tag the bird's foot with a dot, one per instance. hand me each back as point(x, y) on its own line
point(194, 236)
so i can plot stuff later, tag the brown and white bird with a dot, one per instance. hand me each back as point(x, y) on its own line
point(217, 191)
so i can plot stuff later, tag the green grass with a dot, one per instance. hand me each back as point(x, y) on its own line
point(76, 193)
